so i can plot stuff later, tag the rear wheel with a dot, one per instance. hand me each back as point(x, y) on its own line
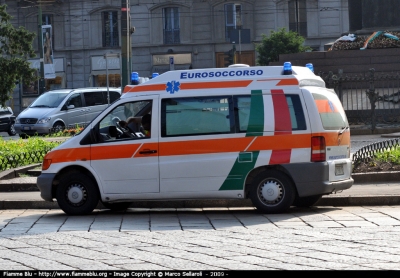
point(305, 202)
point(116, 206)
point(272, 192)
point(77, 194)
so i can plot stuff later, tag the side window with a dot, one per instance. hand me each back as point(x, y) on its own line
point(196, 116)
point(94, 98)
point(75, 100)
point(113, 96)
point(242, 110)
point(125, 122)
point(296, 112)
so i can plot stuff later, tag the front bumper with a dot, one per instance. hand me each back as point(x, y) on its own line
point(32, 129)
point(45, 185)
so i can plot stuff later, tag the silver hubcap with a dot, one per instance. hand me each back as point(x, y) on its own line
point(76, 194)
point(270, 192)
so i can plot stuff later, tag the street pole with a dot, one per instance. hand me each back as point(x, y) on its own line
point(126, 48)
point(108, 90)
point(40, 45)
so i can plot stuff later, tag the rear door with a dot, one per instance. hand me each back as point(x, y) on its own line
point(335, 129)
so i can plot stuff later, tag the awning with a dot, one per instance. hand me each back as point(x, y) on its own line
point(103, 72)
point(164, 68)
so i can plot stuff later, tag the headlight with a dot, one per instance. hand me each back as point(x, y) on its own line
point(17, 121)
point(44, 120)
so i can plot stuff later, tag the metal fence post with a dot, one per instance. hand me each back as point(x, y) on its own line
point(372, 96)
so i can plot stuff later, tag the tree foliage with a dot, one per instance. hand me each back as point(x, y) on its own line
point(16, 47)
point(279, 42)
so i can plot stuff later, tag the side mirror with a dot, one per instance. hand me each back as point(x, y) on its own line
point(71, 106)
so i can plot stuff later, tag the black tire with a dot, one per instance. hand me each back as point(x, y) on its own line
point(272, 192)
point(117, 206)
point(58, 126)
point(305, 202)
point(11, 130)
point(77, 194)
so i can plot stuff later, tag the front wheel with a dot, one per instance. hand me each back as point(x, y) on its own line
point(77, 194)
point(58, 126)
point(11, 130)
point(272, 192)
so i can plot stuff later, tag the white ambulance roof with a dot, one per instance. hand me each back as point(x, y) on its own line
point(254, 78)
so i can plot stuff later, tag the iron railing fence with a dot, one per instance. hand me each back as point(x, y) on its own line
point(367, 152)
point(15, 160)
point(368, 98)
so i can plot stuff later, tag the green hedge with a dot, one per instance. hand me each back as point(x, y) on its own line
point(16, 153)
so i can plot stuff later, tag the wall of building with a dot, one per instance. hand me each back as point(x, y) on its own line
point(78, 30)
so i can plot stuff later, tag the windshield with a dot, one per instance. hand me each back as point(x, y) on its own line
point(49, 100)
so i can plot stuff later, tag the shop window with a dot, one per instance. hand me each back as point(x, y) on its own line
point(114, 80)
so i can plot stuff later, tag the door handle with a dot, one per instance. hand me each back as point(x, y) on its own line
point(148, 151)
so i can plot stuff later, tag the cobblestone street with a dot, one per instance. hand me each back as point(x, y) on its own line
point(321, 238)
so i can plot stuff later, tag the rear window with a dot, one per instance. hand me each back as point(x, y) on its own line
point(330, 111)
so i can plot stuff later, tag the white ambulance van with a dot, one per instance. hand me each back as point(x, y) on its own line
point(279, 138)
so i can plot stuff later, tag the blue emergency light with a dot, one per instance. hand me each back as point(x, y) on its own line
point(134, 78)
point(287, 68)
point(310, 66)
point(155, 74)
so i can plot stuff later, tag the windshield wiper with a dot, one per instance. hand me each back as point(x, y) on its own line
point(343, 130)
point(41, 106)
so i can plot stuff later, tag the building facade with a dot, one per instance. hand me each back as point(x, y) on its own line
point(196, 33)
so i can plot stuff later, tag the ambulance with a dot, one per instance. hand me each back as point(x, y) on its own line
point(272, 134)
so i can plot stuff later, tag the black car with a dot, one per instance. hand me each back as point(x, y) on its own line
point(7, 121)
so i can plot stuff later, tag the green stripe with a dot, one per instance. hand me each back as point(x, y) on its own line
point(243, 163)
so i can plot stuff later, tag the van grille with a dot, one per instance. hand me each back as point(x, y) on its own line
point(28, 120)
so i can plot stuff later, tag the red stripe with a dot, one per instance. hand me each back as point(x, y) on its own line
point(283, 125)
point(280, 157)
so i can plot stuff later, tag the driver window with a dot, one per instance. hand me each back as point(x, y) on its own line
point(124, 122)
point(75, 100)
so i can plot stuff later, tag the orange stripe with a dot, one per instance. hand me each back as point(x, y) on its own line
point(69, 155)
point(215, 85)
point(275, 143)
point(145, 88)
point(286, 82)
point(114, 151)
point(189, 86)
point(204, 146)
